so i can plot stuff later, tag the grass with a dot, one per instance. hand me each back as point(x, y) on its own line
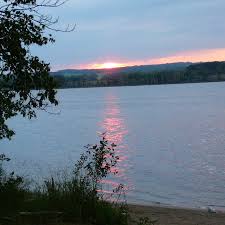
point(77, 196)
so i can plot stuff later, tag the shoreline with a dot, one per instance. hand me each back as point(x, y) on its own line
point(170, 215)
point(220, 209)
point(133, 85)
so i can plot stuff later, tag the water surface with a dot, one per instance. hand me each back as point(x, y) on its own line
point(171, 139)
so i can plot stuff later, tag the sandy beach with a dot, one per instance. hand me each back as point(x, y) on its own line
point(177, 216)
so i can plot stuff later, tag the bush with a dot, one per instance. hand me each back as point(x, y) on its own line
point(12, 190)
point(80, 196)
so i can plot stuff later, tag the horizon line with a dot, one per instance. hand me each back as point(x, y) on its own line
point(201, 56)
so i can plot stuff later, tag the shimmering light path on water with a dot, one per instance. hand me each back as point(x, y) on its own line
point(115, 129)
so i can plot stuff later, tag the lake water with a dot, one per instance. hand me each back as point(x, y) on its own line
point(171, 139)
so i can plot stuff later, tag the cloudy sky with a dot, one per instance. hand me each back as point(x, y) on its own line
point(137, 32)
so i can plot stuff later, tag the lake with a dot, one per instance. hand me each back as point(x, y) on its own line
point(170, 139)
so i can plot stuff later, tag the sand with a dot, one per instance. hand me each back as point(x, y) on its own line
point(177, 216)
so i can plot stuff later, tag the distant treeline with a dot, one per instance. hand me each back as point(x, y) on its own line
point(202, 72)
point(145, 75)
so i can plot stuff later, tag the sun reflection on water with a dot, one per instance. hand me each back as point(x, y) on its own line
point(116, 131)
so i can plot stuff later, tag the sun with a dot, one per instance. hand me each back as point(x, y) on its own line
point(108, 65)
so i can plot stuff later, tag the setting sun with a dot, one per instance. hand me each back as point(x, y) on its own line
point(107, 65)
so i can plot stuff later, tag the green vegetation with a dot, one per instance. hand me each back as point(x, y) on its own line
point(202, 72)
point(79, 197)
point(12, 190)
point(22, 25)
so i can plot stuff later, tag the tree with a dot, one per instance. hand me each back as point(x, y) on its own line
point(22, 25)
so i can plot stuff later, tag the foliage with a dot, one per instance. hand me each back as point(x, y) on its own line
point(22, 25)
point(96, 163)
point(79, 196)
point(12, 190)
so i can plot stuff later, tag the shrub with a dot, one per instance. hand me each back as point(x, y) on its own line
point(79, 196)
point(12, 190)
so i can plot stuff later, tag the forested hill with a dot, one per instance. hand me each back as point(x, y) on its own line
point(142, 75)
point(121, 70)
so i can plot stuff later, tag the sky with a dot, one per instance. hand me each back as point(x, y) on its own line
point(136, 32)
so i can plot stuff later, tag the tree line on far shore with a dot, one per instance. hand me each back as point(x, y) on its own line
point(201, 72)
